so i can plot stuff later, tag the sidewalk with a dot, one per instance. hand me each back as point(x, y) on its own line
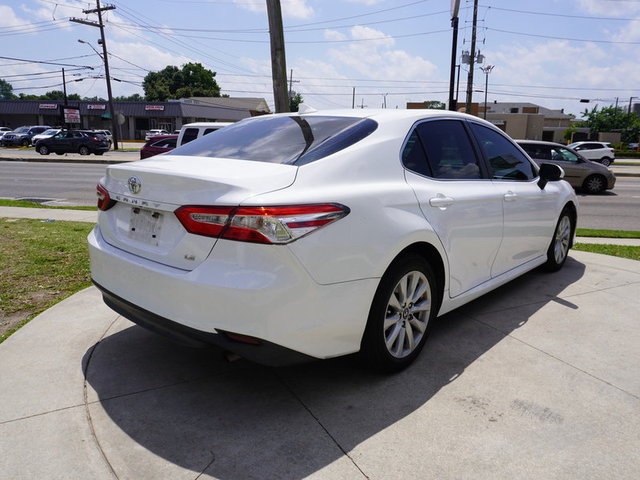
point(535, 380)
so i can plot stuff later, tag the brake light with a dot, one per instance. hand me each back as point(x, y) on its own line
point(104, 200)
point(270, 225)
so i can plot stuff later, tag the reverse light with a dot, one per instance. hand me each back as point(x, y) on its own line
point(271, 225)
point(104, 200)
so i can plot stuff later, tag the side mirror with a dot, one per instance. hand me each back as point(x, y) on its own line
point(549, 173)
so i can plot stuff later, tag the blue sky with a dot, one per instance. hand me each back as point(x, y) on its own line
point(549, 52)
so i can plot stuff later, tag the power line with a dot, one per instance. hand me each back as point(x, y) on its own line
point(51, 62)
point(561, 38)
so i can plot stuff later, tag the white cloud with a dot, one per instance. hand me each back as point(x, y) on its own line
point(607, 8)
point(334, 35)
point(290, 8)
point(8, 18)
point(378, 59)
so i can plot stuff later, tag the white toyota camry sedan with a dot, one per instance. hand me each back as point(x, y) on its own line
point(307, 236)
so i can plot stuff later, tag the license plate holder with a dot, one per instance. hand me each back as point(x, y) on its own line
point(145, 226)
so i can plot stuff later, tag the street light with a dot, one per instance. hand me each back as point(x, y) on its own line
point(87, 43)
point(487, 71)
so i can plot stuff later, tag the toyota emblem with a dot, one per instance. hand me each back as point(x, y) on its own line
point(135, 184)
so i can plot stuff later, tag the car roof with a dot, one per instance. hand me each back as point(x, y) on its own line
point(541, 142)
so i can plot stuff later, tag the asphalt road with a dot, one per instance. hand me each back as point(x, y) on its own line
point(74, 184)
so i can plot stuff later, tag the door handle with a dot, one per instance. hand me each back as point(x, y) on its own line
point(440, 201)
point(510, 196)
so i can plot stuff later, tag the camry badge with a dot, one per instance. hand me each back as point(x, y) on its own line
point(135, 184)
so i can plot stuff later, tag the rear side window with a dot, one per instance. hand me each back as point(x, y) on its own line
point(209, 130)
point(293, 140)
point(189, 135)
point(441, 149)
point(538, 152)
point(507, 162)
point(165, 143)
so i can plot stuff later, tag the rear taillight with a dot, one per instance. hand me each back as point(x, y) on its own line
point(272, 225)
point(104, 200)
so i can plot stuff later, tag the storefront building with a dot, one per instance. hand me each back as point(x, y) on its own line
point(134, 119)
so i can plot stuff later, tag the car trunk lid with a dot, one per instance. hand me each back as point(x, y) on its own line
point(147, 193)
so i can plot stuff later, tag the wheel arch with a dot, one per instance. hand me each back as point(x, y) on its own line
point(571, 208)
point(431, 254)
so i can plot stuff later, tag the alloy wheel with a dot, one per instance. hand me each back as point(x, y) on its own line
point(407, 314)
point(561, 240)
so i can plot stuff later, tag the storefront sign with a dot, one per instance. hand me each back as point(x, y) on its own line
point(96, 107)
point(71, 115)
point(154, 107)
point(48, 106)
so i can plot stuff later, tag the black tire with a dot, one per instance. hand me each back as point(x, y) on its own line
point(43, 150)
point(25, 143)
point(594, 184)
point(399, 324)
point(83, 150)
point(606, 161)
point(558, 250)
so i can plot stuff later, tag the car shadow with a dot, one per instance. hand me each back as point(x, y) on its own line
point(239, 420)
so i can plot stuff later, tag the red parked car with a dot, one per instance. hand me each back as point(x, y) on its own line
point(158, 144)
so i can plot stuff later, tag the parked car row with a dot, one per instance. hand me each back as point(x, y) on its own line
point(162, 143)
point(83, 142)
point(30, 135)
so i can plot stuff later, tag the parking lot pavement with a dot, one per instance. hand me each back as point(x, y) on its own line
point(535, 380)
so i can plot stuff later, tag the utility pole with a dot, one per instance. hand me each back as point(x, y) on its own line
point(455, 6)
point(353, 99)
point(64, 90)
point(99, 9)
point(278, 60)
point(472, 58)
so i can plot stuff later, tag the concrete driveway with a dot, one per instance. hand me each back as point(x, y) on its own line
point(538, 379)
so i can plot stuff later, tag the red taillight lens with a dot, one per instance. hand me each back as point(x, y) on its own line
point(207, 221)
point(279, 224)
point(104, 200)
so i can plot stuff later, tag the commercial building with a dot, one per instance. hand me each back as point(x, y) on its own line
point(133, 118)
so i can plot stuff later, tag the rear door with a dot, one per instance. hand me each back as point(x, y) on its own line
point(458, 199)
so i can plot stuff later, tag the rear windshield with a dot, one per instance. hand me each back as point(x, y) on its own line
point(293, 140)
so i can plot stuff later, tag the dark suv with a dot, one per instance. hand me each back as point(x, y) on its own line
point(73, 141)
point(22, 136)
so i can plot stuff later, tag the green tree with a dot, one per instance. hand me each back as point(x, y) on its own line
point(6, 90)
point(136, 97)
point(295, 99)
point(436, 105)
point(192, 80)
point(612, 119)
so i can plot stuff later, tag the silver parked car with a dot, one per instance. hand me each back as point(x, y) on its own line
point(578, 171)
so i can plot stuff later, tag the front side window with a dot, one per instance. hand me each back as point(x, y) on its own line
point(293, 140)
point(445, 150)
point(507, 162)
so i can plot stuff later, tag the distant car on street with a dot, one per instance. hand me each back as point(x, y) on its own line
point(601, 152)
point(157, 145)
point(155, 132)
point(73, 141)
point(46, 134)
point(578, 171)
point(633, 146)
point(22, 136)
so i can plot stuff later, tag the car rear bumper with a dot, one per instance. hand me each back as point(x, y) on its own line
point(263, 352)
point(263, 292)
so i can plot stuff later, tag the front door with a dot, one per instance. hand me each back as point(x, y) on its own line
point(462, 205)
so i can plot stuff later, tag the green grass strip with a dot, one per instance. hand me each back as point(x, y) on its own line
point(20, 203)
point(623, 251)
point(589, 232)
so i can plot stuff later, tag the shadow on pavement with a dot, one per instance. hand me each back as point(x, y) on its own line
point(241, 420)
